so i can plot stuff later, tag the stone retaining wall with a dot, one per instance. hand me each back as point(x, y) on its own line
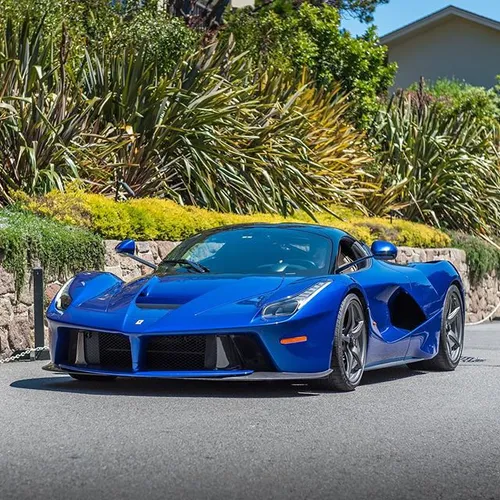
point(16, 316)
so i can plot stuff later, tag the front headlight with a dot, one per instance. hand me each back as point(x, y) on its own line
point(290, 305)
point(63, 299)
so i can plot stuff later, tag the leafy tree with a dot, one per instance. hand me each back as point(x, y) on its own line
point(311, 37)
point(360, 9)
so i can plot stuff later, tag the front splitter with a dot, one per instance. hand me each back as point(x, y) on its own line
point(228, 375)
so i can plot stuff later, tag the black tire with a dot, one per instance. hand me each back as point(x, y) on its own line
point(448, 357)
point(92, 378)
point(341, 378)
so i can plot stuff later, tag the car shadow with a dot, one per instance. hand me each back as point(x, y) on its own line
point(167, 388)
point(197, 388)
point(389, 375)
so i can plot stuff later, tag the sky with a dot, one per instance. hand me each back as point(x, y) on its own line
point(398, 13)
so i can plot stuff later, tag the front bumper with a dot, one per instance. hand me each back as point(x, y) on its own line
point(230, 355)
point(311, 358)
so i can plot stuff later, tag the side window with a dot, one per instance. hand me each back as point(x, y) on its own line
point(350, 251)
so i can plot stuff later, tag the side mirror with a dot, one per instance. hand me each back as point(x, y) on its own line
point(126, 247)
point(384, 250)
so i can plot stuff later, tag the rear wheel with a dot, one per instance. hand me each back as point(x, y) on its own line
point(349, 348)
point(92, 378)
point(451, 339)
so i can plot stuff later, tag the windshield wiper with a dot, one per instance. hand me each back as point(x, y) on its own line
point(199, 268)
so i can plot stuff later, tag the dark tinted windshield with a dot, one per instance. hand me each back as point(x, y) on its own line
point(256, 250)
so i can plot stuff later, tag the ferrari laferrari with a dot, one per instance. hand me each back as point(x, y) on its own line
point(261, 302)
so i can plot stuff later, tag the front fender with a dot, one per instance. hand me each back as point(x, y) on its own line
point(326, 302)
point(316, 320)
point(85, 286)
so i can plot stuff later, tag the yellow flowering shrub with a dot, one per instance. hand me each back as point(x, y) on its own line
point(159, 219)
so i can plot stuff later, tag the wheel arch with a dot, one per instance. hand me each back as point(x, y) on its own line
point(364, 302)
point(458, 283)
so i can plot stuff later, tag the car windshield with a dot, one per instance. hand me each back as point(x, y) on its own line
point(254, 250)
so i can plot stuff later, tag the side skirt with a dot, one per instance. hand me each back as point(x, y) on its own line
point(389, 364)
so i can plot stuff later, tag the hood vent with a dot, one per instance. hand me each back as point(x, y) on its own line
point(168, 307)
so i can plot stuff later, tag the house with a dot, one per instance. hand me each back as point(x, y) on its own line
point(241, 3)
point(451, 43)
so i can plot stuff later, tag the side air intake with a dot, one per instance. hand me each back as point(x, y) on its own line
point(404, 311)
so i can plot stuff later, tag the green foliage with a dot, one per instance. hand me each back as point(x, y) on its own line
point(153, 218)
point(434, 168)
point(41, 118)
point(105, 25)
point(206, 133)
point(482, 257)
point(455, 97)
point(87, 21)
point(361, 9)
point(27, 240)
point(311, 37)
point(221, 141)
point(163, 39)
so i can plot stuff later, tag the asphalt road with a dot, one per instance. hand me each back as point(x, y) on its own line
point(401, 435)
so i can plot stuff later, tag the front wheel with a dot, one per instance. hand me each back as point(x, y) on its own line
point(349, 348)
point(451, 338)
point(82, 377)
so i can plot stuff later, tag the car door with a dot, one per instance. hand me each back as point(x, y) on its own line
point(383, 284)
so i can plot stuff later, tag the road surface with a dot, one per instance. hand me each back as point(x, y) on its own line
point(401, 435)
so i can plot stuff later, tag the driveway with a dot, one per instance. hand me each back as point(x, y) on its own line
point(401, 435)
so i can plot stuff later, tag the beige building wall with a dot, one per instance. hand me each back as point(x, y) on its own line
point(456, 48)
point(241, 3)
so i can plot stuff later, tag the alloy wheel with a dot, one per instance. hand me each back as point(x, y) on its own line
point(354, 342)
point(454, 327)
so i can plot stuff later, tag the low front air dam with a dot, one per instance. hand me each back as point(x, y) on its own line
point(228, 375)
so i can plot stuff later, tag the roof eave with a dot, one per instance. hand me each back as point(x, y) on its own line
point(433, 19)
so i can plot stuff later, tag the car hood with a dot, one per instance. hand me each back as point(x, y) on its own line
point(173, 292)
point(177, 303)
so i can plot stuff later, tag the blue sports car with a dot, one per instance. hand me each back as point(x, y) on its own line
point(261, 302)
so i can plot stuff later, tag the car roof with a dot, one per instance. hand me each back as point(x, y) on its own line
point(328, 231)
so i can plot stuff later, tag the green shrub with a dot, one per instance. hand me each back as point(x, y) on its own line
point(208, 134)
point(153, 218)
point(482, 257)
point(87, 22)
point(437, 169)
point(41, 119)
point(454, 97)
point(27, 240)
point(164, 40)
